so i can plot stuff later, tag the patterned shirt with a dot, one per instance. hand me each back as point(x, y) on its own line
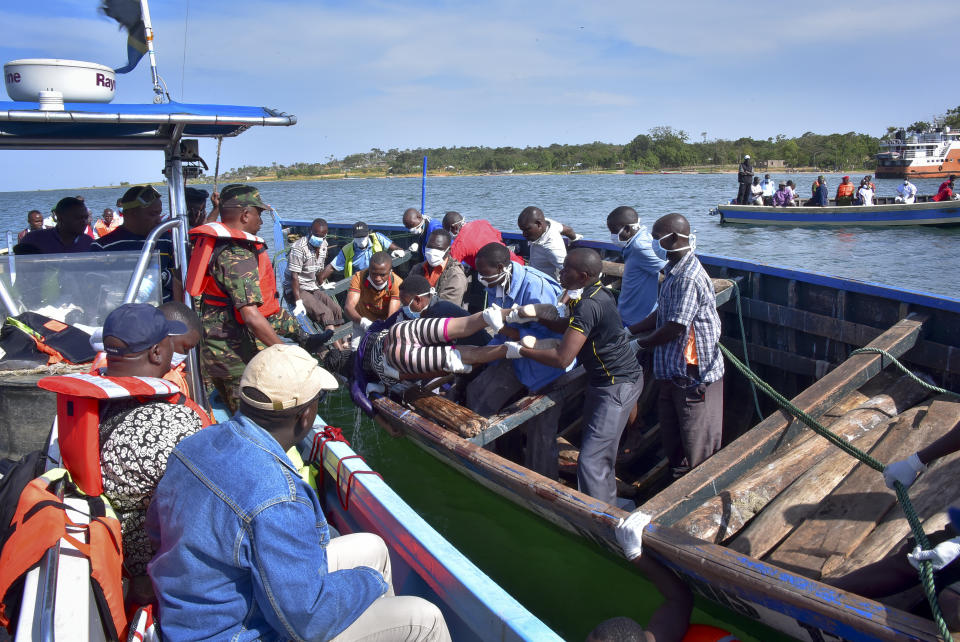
point(687, 297)
point(306, 261)
point(135, 441)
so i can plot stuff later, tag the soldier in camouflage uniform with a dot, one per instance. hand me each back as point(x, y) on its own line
point(228, 344)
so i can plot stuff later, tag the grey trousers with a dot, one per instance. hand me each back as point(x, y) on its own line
point(321, 307)
point(691, 423)
point(605, 413)
point(496, 387)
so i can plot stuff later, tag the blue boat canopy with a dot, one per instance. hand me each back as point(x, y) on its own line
point(111, 126)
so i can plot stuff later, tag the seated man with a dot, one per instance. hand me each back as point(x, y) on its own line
point(768, 189)
point(374, 295)
point(182, 343)
point(756, 192)
point(67, 236)
point(793, 192)
point(136, 438)
point(783, 197)
point(945, 193)
point(444, 274)
point(865, 194)
point(34, 222)
point(821, 198)
point(422, 226)
point(259, 563)
point(547, 248)
point(143, 211)
point(906, 193)
point(355, 256)
point(307, 257)
point(507, 284)
point(106, 223)
point(594, 334)
point(468, 238)
point(845, 192)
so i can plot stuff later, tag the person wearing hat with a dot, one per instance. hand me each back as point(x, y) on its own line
point(906, 192)
point(745, 179)
point(143, 211)
point(821, 198)
point(136, 438)
point(231, 272)
point(196, 200)
point(845, 192)
point(244, 544)
point(355, 256)
point(782, 197)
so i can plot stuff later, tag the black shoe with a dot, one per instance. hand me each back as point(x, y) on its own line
point(316, 341)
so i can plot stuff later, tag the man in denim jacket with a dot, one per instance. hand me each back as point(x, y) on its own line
point(244, 550)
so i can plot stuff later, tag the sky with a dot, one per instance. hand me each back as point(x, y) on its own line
point(360, 74)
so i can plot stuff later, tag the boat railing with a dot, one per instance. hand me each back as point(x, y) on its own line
point(148, 246)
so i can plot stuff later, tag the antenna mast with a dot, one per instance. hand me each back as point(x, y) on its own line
point(158, 93)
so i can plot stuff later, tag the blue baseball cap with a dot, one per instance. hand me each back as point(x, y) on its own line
point(140, 326)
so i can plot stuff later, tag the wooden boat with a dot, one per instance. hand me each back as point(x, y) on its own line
point(923, 212)
point(799, 329)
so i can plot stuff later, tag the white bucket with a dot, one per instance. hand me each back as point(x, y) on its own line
point(77, 81)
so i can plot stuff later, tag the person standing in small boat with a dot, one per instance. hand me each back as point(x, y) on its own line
point(594, 335)
point(547, 247)
point(845, 192)
point(687, 360)
point(745, 179)
point(641, 267)
point(444, 275)
point(244, 548)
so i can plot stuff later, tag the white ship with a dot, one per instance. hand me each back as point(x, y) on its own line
point(932, 154)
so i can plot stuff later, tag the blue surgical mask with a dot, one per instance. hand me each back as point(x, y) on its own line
point(410, 314)
point(658, 249)
point(315, 241)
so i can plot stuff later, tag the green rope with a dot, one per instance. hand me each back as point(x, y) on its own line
point(906, 371)
point(926, 569)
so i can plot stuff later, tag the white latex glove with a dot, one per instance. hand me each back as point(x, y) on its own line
point(397, 253)
point(513, 349)
point(390, 371)
point(514, 316)
point(904, 471)
point(453, 362)
point(414, 247)
point(298, 308)
point(327, 285)
point(577, 237)
point(940, 555)
point(493, 317)
point(365, 323)
point(375, 387)
point(563, 311)
point(629, 534)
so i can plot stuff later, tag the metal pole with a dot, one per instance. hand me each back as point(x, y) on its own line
point(12, 308)
point(423, 188)
point(148, 246)
point(148, 36)
point(11, 258)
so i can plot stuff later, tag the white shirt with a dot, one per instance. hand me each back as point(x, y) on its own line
point(548, 252)
point(907, 190)
point(866, 195)
point(768, 187)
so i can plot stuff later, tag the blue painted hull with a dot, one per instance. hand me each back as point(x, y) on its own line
point(943, 213)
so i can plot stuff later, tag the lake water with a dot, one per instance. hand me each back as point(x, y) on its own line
point(570, 584)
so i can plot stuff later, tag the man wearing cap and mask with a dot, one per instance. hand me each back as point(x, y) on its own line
point(745, 179)
point(136, 438)
point(906, 193)
point(143, 211)
point(685, 334)
point(443, 274)
point(420, 225)
point(244, 548)
point(355, 256)
point(231, 272)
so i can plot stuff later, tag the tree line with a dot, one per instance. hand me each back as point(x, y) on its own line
point(662, 147)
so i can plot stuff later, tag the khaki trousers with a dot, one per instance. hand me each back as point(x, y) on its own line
point(390, 618)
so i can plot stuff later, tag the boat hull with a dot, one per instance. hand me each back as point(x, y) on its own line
point(933, 213)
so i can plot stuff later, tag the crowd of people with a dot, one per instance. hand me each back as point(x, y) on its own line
point(783, 193)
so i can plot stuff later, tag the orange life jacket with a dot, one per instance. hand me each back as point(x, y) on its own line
point(208, 242)
point(40, 522)
point(78, 416)
point(707, 633)
point(844, 190)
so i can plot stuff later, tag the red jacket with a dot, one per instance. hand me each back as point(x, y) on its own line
point(473, 236)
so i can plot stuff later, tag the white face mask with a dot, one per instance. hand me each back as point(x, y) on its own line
point(575, 294)
point(378, 287)
point(632, 228)
point(500, 278)
point(177, 359)
point(434, 257)
point(417, 229)
point(362, 243)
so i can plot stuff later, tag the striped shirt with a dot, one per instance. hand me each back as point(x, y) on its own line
point(306, 261)
point(687, 298)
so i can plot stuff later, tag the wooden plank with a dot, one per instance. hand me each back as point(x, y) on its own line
point(722, 516)
point(515, 415)
point(650, 477)
point(803, 498)
point(448, 414)
point(931, 494)
point(723, 290)
point(780, 359)
point(740, 455)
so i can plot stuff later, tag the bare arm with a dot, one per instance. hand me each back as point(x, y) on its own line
point(295, 286)
point(646, 325)
point(327, 271)
point(669, 623)
point(561, 356)
point(393, 308)
point(259, 325)
point(555, 325)
point(350, 306)
point(667, 333)
point(567, 231)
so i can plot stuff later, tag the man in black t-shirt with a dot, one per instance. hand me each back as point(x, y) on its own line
point(594, 334)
